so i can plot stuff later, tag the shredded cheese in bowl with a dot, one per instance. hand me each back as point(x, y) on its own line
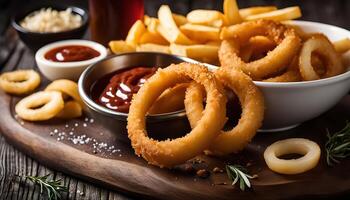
point(50, 21)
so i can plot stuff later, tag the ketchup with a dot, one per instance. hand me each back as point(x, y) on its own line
point(71, 53)
point(119, 87)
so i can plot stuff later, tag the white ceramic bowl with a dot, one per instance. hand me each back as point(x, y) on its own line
point(289, 104)
point(67, 70)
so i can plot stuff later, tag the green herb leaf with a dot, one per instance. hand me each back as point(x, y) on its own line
point(338, 145)
point(238, 174)
point(52, 187)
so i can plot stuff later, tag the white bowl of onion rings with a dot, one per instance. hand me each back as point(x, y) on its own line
point(289, 104)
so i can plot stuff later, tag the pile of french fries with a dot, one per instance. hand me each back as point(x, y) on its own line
point(196, 35)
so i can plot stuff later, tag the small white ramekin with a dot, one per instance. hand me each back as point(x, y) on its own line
point(67, 70)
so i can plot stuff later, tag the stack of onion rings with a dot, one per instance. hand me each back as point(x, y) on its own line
point(51, 103)
point(206, 135)
point(267, 50)
point(19, 82)
point(72, 108)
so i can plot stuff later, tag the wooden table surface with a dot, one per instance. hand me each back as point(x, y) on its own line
point(14, 162)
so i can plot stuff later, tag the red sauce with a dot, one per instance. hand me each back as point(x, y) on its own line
point(115, 91)
point(71, 53)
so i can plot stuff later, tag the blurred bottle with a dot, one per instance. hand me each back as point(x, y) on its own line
point(112, 19)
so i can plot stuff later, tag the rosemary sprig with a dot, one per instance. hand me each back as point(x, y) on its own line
point(239, 174)
point(338, 145)
point(53, 188)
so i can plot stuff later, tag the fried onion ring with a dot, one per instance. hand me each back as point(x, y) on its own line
point(40, 106)
point(67, 87)
point(291, 75)
point(170, 100)
point(310, 150)
point(172, 152)
point(256, 48)
point(72, 109)
point(287, 40)
point(19, 82)
point(320, 44)
point(252, 102)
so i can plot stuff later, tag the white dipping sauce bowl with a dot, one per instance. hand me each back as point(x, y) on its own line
point(290, 104)
point(67, 70)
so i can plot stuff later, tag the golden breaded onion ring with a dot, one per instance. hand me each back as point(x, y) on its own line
point(320, 44)
point(310, 150)
point(72, 109)
point(291, 75)
point(67, 87)
point(287, 40)
point(255, 47)
point(19, 82)
point(252, 102)
point(40, 106)
point(170, 100)
point(176, 151)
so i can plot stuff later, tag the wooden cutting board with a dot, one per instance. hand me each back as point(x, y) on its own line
point(68, 146)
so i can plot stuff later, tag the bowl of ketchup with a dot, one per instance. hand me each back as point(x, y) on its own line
point(67, 59)
point(107, 87)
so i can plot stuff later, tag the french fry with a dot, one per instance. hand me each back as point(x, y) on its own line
point(342, 46)
point(152, 25)
point(200, 32)
point(146, 19)
point(120, 46)
point(179, 19)
point(231, 12)
point(200, 52)
point(214, 43)
point(278, 15)
point(168, 28)
point(206, 17)
point(149, 37)
point(153, 48)
point(245, 12)
point(135, 32)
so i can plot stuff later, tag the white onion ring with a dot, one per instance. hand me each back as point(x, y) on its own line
point(19, 82)
point(308, 148)
point(50, 103)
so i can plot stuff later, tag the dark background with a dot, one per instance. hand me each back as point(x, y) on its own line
point(334, 12)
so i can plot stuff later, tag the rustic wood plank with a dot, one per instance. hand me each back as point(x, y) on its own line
point(13, 162)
